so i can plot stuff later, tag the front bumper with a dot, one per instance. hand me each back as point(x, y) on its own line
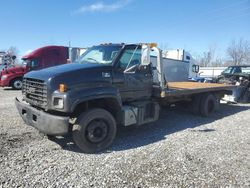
point(44, 122)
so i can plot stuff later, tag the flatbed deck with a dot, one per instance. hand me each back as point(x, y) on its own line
point(186, 88)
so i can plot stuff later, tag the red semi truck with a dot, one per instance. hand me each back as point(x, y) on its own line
point(40, 58)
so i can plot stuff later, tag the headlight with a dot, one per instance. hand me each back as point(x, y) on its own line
point(63, 88)
point(4, 77)
point(58, 103)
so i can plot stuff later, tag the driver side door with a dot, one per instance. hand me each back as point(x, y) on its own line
point(133, 80)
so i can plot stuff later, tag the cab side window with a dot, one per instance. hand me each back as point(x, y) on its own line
point(130, 57)
point(237, 70)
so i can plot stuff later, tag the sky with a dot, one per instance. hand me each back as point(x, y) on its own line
point(193, 25)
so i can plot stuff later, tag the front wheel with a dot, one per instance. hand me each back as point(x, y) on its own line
point(17, 84)
point(94, 130)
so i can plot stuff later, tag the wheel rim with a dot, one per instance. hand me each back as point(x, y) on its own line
point(97, 131)
point(18, 84)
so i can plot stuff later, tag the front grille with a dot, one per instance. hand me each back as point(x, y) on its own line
point(35, 92)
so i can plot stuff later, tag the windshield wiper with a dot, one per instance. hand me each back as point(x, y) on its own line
point(90, 58)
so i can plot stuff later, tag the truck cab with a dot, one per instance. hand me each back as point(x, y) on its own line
point(38, 59)
point(112, 85)
point(234, 70)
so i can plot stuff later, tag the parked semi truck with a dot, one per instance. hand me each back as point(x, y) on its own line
point(184, 56)
point(111, 86)
point(40, 58)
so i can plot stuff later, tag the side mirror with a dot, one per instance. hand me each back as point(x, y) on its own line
point(145, 55)
point(196, 68)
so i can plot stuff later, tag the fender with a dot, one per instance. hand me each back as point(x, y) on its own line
point(84, 95)
point(10, 78)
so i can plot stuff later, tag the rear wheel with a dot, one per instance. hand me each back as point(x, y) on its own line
point(94, 131)
point(17, 84)
point(209, 103)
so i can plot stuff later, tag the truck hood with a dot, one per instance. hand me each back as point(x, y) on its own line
point(73, 74)
point(14, 69)
point(51, 72)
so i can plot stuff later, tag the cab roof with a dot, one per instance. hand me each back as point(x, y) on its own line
point(41, 51)
point(240, 65)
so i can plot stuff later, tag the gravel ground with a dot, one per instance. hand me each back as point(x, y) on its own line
point(180, 150)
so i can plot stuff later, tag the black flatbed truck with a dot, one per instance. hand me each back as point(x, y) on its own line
point(112, 85)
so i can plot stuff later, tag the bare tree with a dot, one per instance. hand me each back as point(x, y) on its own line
point(164, 46)
point(204, 59)
point(13, 54)
point(13, 51)
point(239, 51)
point(217, 62)
point(208, 58)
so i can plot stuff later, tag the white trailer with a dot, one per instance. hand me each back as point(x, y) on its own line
point(211, 72)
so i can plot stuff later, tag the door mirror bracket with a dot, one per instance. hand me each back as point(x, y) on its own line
point(132, 69)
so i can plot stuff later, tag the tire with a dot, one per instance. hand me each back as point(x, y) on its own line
point(209, 104)
point(95, 130)
point(217, 103)
point(17, 84)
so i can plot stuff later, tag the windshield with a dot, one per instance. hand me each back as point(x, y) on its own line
point(228, 70)
point(33, 63)
point(100, 54)
point(25, 62)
